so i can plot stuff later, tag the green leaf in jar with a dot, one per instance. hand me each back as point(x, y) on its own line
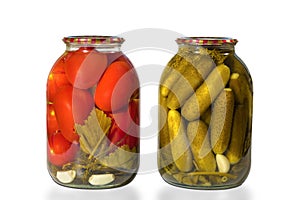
point(93, 133)
point(123, 158)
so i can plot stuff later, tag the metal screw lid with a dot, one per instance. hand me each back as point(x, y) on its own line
point(206, 40)
point(93, 40)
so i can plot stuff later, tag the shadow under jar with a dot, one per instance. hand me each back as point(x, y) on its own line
point(93, 115)
point(205, 115)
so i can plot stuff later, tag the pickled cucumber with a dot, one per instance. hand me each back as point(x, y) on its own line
point(164, 154)
point(240, 87)
point(163, 125)
point(175, 68)
point(194, 75)
point(181, 152)
point(247, 144)
point(221, 121)
point(236, 145)
point(199, 102)
point(206, 116)
point(242, 90)
point(198, 136)
point(237, 66)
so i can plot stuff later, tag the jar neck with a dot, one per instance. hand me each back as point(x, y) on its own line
point(101, 48)
point(221, 44)
point(226, 48)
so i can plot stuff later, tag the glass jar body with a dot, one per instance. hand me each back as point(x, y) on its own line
point(205, 116)
point(93, 115)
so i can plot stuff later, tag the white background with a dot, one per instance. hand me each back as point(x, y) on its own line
point(30, 42)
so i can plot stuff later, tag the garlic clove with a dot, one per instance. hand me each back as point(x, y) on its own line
point(101, 179)
point(66, 176)
point(223, 163)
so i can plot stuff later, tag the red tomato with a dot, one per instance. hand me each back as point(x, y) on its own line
point(85, 67)
point(116, 136)
point(135, 110)
point(119, 138)
point(71, 106)
point(128, 117)
point(116, 56)
point(57, 77)
point(83, 103)
point(131, 141)
point(125, 128)
point(116, 86)
point(60, 151)
point(52, 125)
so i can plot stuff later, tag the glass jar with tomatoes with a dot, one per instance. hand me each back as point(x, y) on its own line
point(93, 115)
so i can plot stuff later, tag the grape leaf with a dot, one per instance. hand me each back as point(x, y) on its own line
point(123, 158)
point(93, 140)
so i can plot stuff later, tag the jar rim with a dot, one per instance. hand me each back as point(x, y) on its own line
point(92, 40)
point(216, 41)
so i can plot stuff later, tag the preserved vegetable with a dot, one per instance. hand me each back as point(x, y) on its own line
point(93, 115)
point(206, 93)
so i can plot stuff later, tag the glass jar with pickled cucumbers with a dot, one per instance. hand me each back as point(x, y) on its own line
point(93, 115)
point(205, 115)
